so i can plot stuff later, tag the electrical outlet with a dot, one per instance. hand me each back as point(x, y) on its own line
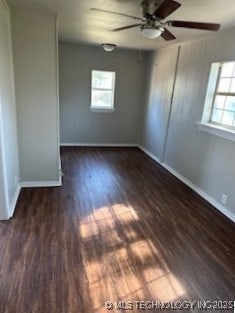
point(224, 198)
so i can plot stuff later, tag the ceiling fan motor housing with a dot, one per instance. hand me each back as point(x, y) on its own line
point(150, 6)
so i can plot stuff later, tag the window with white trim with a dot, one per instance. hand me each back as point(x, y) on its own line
point(223, 101)
point(102, 90)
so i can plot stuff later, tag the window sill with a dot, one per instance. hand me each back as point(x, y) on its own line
point(217, 131)
point(102, 110)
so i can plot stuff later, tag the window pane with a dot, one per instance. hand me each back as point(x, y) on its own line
point(216, 116)
point(228, 118)
point(223, 106)
point(224, 84)
point(230, 103)
point(103, 80)
point(232, 88)
point(219, 102)
point(102, 98)
point(227, 69)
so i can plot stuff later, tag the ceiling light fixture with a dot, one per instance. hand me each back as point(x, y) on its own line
point(108, 47)
point(151, 31)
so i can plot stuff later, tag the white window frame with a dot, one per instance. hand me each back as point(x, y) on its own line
point(102, 109)
point(217, 129)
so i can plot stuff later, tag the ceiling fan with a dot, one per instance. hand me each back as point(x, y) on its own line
point(152, 24)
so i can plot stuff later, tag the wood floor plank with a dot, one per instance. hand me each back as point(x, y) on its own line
point(121, 228)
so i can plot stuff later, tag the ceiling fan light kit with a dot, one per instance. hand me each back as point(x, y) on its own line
point(108, 47)
point(151, 32)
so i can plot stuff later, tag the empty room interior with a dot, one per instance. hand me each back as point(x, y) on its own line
point(117, 156)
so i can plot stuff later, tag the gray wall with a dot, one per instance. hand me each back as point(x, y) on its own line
point(161, 68)
point(78, 123)
point(205, 160)
point(9, 147)
point(35, 62)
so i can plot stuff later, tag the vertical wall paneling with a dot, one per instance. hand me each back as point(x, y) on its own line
point(202, 159)
point(162, 76)
point(170, 108)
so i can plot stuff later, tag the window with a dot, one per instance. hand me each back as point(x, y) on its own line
point(219, 111)
point(102, 91)
point(223, 108)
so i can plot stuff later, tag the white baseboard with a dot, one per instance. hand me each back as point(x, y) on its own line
point(152, 156)
point(52, 183)
point(99, 145)
point(198, 190)
point(30, 184)
point(14, 200)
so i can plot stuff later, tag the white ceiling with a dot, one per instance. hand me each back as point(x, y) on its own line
point(77, 23)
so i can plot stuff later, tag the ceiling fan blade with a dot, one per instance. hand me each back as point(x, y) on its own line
point(166, 8)
point(196, 25)
point(122, 14)
point(125, 27)
point(167, 35)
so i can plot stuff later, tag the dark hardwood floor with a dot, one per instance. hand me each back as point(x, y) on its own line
point(120, 228)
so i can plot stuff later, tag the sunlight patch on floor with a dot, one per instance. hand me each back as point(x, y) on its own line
point(166, 288)
point(120, 263)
